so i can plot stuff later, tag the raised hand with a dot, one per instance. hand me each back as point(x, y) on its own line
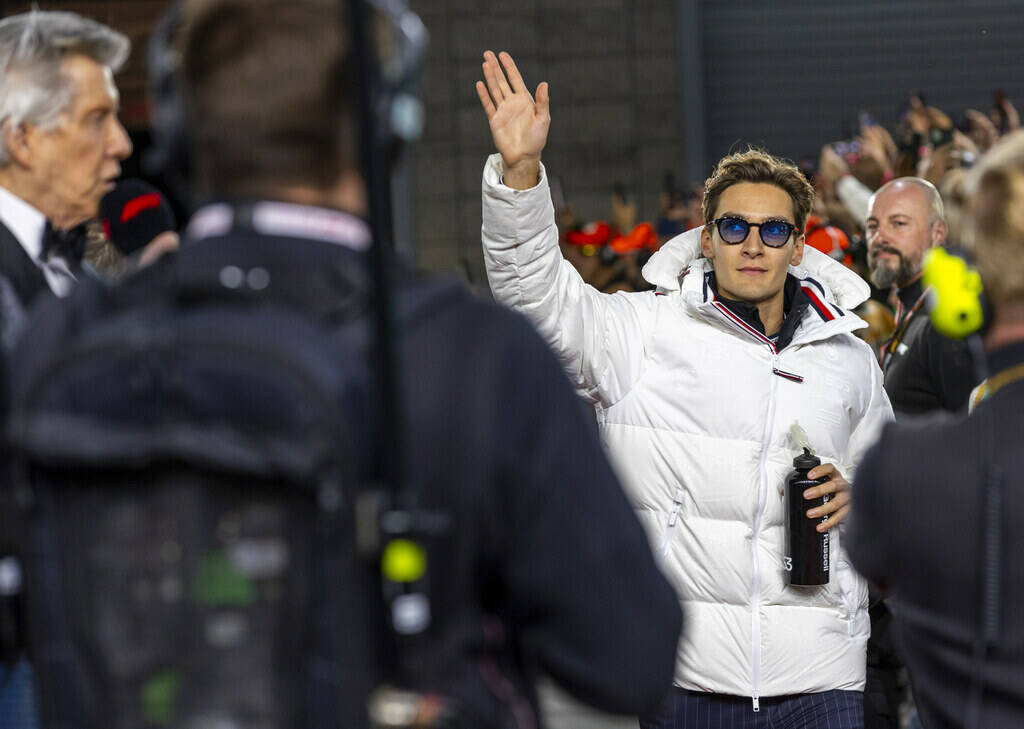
point(519, 125)
point(983, 131)
point(1010, 114)
point(878, 144)
point(831, 168)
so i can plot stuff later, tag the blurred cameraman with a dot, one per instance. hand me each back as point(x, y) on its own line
point(545, 567)
point(937, 514)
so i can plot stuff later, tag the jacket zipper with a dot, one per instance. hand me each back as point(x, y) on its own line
point(761, 338)
point(755, 589)
point(762, 499)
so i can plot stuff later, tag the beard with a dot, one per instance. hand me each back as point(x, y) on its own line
point(885, 275)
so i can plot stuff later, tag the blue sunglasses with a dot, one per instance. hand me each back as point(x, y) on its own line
point(774, 233)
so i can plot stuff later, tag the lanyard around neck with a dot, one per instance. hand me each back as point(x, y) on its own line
point(905, 318)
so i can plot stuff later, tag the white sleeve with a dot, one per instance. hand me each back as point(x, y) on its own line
point(855, 196)
point(875, 414)
point(601, 339)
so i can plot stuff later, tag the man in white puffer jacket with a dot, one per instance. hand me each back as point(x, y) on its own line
point(696, 387)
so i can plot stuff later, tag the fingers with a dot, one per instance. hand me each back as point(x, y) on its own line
point(838, 501)
point(963, 142)
point(833, 520)
point(496, 81)
point(543, 100)
point(512, 71)
point(485, 99)
point(498, 86)
point(825, 470)
point(1012, 117)
point(494, 78)
point(832, 486)
point(877, 133)
point(837, 507)
point(837, 487)
point(830, 164)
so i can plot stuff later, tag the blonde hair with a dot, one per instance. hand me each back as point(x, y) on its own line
point(756, 165)
point(997, 204)
point(953, 189)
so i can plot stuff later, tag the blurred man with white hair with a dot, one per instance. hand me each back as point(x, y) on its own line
point(61, 145)
point(60, 150)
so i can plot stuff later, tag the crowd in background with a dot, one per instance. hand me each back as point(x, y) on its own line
point(927, 142)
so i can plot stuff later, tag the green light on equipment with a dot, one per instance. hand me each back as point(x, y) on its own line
point(158, 696)
point(219, 583)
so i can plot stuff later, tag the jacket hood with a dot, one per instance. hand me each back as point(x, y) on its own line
point(666, 267)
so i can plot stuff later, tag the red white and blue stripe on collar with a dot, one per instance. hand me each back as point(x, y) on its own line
point(826, 311)
point(757, 335)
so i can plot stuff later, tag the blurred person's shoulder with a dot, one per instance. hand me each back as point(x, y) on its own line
point(924, 448)
point(445, 312)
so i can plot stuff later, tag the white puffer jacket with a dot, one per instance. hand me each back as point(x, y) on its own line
point(695, 410)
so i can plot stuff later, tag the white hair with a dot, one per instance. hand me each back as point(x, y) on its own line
point(33, 47)
point(931, 195)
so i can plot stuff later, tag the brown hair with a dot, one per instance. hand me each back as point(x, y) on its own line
point(756, 165)
point(998, 207)
point(267, 94)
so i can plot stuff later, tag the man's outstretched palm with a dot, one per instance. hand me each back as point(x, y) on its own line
point(519, 125)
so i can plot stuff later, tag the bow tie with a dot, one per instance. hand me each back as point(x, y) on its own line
point(67, 244)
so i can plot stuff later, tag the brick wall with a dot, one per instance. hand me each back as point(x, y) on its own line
point(614, 106)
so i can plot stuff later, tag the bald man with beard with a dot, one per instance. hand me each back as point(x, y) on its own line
point(924, 371)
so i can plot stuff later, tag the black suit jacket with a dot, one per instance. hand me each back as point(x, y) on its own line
point(918, 528)
point(25, 277)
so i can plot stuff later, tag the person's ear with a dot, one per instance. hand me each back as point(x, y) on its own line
point(939, 232)
point(707, 246)
point(798, 251)
point(18, 139)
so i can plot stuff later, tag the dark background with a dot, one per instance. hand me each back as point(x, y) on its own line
point(643, 86)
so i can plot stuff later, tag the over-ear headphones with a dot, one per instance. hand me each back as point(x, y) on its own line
point(957, 304)
point(396, 113)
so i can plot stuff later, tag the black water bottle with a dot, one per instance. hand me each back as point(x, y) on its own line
point(807, 556)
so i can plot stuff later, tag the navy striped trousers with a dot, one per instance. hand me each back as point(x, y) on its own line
point(17, 698)
point(695, 710)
